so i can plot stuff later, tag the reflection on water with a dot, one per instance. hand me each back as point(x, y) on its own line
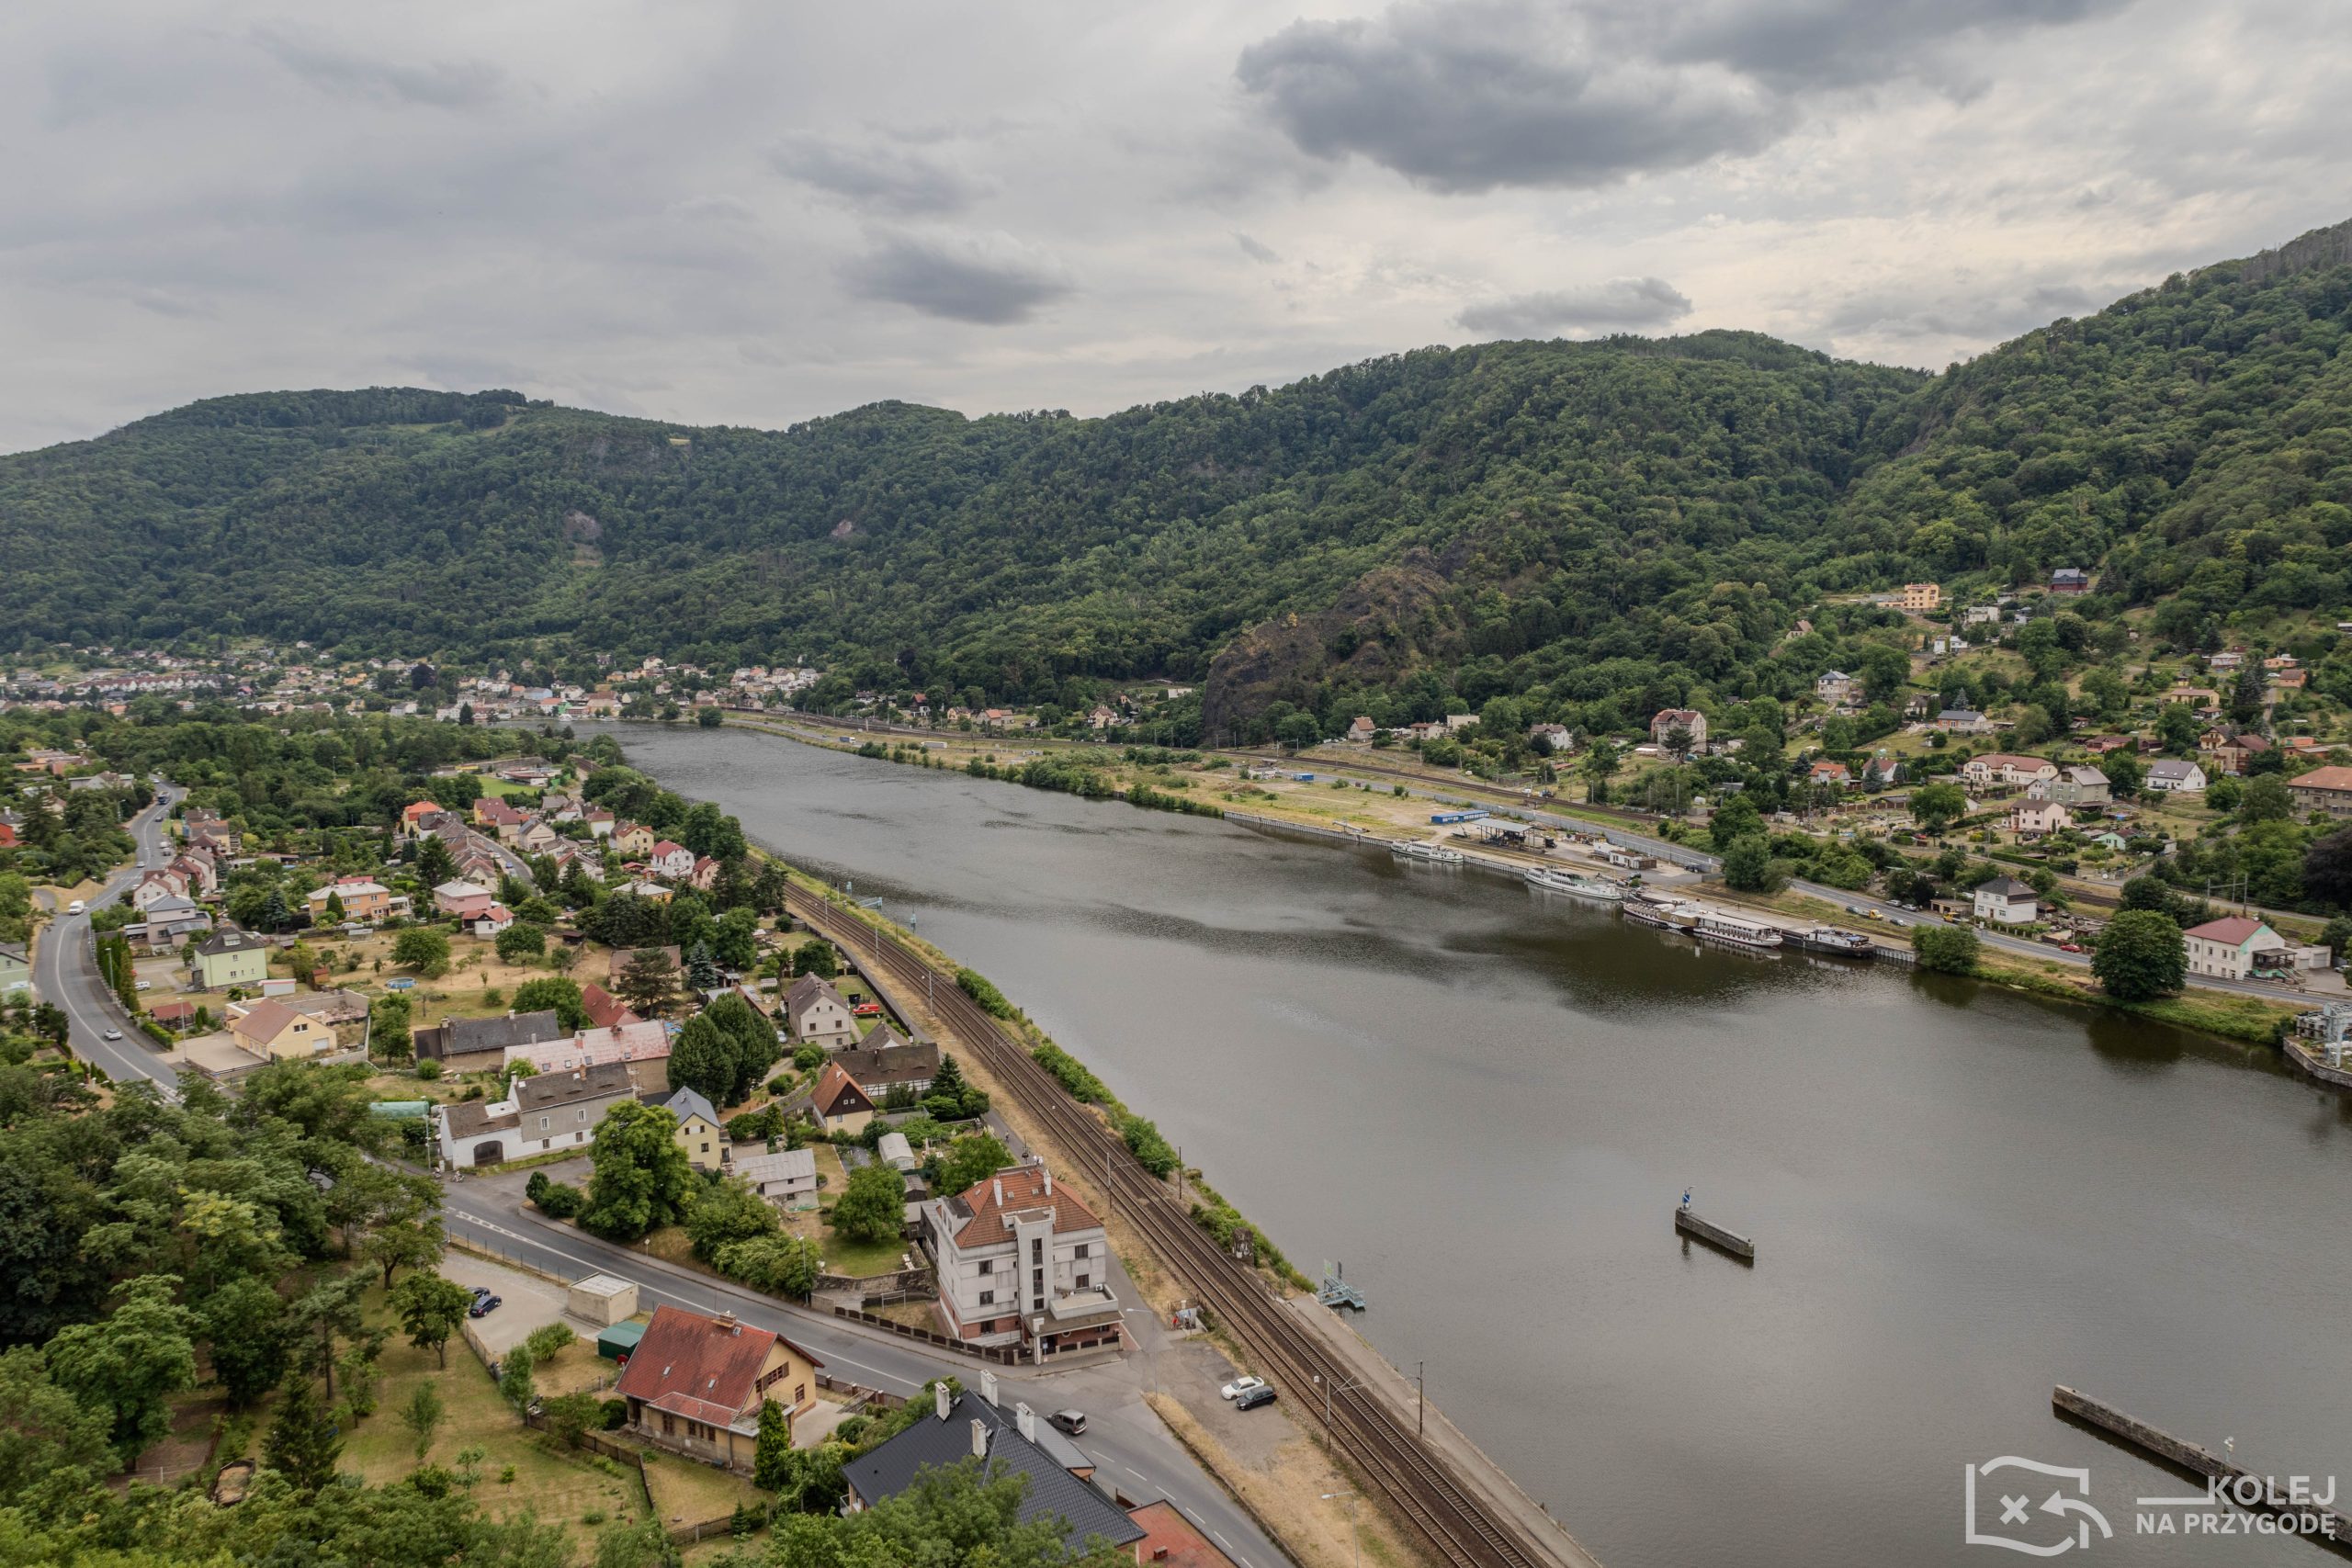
point(1486, 1101)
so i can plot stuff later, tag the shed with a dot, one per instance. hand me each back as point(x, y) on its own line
point(894, 1150)
point(618, 1342)
point(602, 1299)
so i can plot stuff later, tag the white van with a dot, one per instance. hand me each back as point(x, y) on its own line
point(75, 908)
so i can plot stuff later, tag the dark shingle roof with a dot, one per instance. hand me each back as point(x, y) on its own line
point(464, 1036)
point(934, 1444)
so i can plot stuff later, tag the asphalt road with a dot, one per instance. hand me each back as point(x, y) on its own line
point(64, 972)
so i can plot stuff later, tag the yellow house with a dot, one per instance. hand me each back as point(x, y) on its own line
point(694, 1384)
point(274, 1029)
point(700, 1134)
point(1919, 596)
point(634, 840)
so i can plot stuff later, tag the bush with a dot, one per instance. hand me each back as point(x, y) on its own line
point(561, 1201)
point(544, 1341)
point(615, 1414)
point(978, 988)
point(1070, 1073)
point(1947, 950)
point(1144, 1141)
point(428, 1070)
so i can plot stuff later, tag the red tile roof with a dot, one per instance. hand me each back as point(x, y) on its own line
point(706, 1369)
point(1017, 1191)
point(2231, 931)
point(605, 1010)
point(837, 1093)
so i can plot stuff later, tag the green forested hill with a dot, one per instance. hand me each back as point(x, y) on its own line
point(1446, 525)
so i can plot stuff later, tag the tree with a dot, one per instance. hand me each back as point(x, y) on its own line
point(2265, 799)
point(2177, 727)
point(781, 1264)
point(702, 969)
point(522, 943)
point(2327, 869)
point(514, 1383)
point(772, 1453)
point(1734, 820)
point(553, 993)
point(244, 1322)
point(2336, 935)
point(2145, 892)
point(640, 1173)
point(408, 1241)
point(971, 1159)
point(54, 1448)
point(1936, 806)
point(389, 1022)
point(725, 1212)
point(333, 911)
point(815, 956)
point(736, 943)
point(434, 866)
point(751, 1038)
point(302, 1445)
point(423, 1416)
point(131, 1362)
point(571, 1417)
point(422, 950)
point(2140, 956)
point(431, 1308)
point(872, 1206)
point(1947, 950)
point(648, 980)
point(702, 1058)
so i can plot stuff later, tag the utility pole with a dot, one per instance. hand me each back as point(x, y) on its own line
point(1421, 1398)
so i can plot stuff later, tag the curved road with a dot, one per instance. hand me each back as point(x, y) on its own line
point(64, 972)
point(1137, 1454)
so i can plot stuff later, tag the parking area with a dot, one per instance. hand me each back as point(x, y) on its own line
point(526, 1301)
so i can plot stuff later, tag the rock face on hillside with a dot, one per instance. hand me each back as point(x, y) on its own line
point(1380, 627)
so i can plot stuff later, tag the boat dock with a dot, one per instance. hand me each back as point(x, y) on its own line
point(2227, 1483)
point(1715, 1236)
point(1335, 1292)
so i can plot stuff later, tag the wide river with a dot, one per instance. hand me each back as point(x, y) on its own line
point(1486, 1102)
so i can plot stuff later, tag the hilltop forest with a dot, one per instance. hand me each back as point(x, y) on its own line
point(1434, 528)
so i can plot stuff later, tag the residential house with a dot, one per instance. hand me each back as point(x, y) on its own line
point(1919, 597)
point(644, 1047)
point(883, 1062)
point(539, 1115)
point(203, 873)
point(9, 825)
point(701, 1135)
point(2031, 819)
point(1827, 772)
point(2006, 901)
point(1964, 721)
point(1883, 770)
point(169, 923)
point(535, 837)
point(1021, 1260)
point(1836, 688)
point(968, 1428)
point(2325, 790)
point(784, 1178)
point(2074, 785)
point(704, 875)
point(492, 920)
point(2171, 777)
point(413, 818)
point(2111, 840)
point(2102, 745)
point(1980, 615)
point(362, 898)
point(1170, 1539)
point(2000, 768)
point(477, 1044)
point(230, 958)
point(1553, 738)
point(599, 819)
point(634, 840)
point(2236, 947)
point(695, 1382)
point(839, 1104)
point(815, 1014)
point(493, 813)
point(16, 971)
point(2229, 753)
point(605, 1010)
point(156, 885)
point(1363, 730)
point(463, 900)
point(1690, 721)
point(2070, 580)
point(670, 862)
point(273, 1028)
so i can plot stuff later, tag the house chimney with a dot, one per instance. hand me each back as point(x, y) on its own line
point(940, 1398)
point(1000, 1191)
point(988, 1387)
point(1049, 1181)
point(1027, 1420)
point(727, 1320)
point(979, 1439)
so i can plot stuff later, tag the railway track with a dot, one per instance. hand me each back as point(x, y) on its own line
point(1422, 1488)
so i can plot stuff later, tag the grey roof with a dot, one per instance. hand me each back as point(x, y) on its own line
point(2007, 887)
point(934, 1444)
point(686, 1103)
point(785, 1164)
point(2169, 769)
point(887, 1059)
point(231, 941)
point(544, 1090)
point(464, 1036)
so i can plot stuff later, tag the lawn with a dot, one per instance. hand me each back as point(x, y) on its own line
point(583, 1492)
point(686, 1493)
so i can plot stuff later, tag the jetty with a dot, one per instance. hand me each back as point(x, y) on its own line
point(1335, 1292)
point(1715, 1236)
point(2227, 1483)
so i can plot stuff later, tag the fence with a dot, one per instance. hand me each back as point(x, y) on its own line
point(900, 1283)
point(859, 1394)
point(1002, 1355)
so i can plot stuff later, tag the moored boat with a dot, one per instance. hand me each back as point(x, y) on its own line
point(1737, 930)
point(1434, 854)
point(1666, 914)
point(1553, 879)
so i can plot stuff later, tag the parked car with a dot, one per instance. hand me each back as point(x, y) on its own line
point(484, 1305)
point(1262, 1394)
point(867, 1010)
point(1241, 1386)
point(2070, 947)
point(1070, 1421)
point(144, 986)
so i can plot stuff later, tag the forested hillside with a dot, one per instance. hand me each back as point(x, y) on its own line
point(1451, 524)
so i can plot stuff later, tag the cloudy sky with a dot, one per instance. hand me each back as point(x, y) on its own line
point(755, 213)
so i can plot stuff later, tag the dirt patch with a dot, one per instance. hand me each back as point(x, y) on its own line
point(1288, 1495)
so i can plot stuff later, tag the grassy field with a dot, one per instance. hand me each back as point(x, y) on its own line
point(686, 1493)
point(521, 1470)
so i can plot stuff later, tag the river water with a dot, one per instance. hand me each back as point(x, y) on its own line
point(1486, 1102)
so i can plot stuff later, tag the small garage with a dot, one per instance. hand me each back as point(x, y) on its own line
point(616, 1343)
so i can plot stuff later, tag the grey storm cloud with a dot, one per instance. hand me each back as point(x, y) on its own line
point(1469, 97)
point(450, 84)
point(989, 279)
point(1622, 304)
point(1257, 251)
point(873, 174)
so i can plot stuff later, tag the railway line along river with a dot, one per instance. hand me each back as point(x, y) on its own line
point(1487, 1101)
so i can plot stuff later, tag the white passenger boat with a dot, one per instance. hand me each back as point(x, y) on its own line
point(1666, 914)
point(1737, 930)
point(1554, 879)
point(1434, 854)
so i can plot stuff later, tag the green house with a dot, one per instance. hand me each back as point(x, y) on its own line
point(231, 958)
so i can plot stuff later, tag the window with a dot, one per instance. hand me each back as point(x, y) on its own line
point(543, 1123)
point(1037, 1251)
point(800, 1394)
point(1084, 1280)
point(1079, 1251)
point(1037, 1280)
point(988, 1298)
point(988, 1266)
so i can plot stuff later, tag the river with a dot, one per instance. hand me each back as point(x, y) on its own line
point(1487, 1102)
